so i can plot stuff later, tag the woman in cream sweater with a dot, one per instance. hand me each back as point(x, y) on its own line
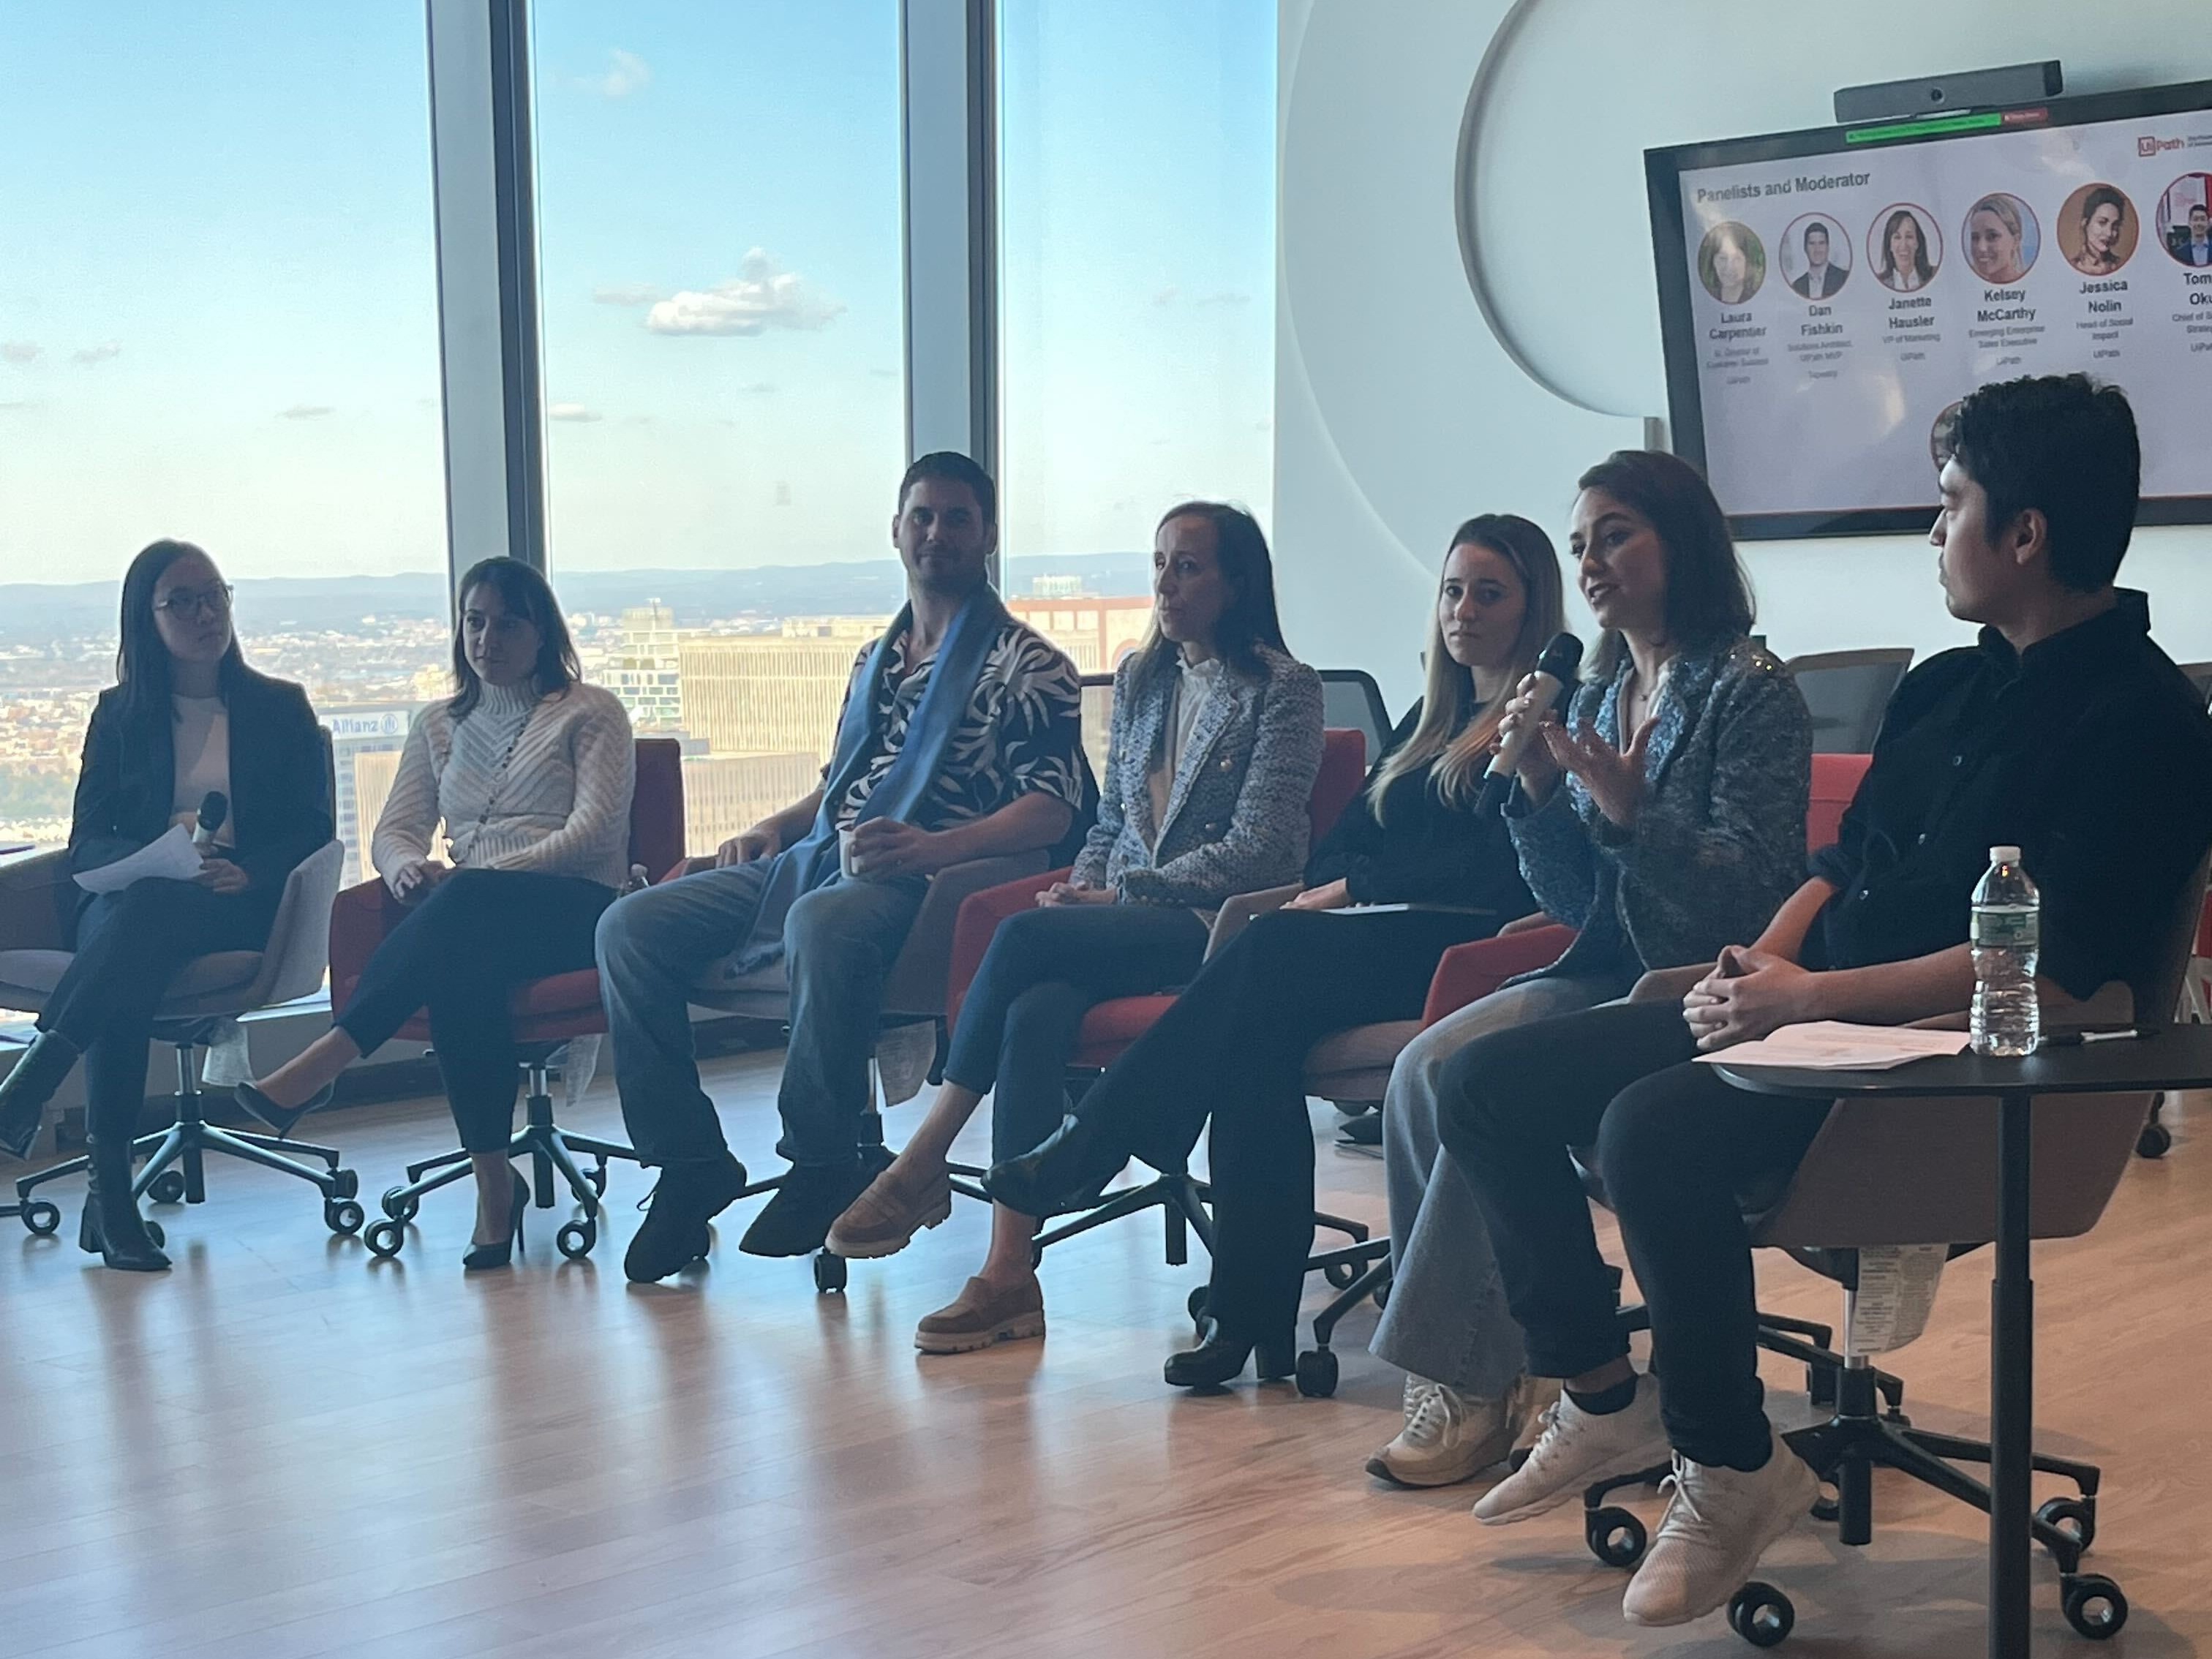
point(527, 771)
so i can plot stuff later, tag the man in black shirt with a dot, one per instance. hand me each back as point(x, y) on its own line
point(2066, 732)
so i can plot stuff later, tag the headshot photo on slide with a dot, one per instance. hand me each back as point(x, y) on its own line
point(2185, 220)
point(1904, 247)
point(1941, 433)
point(2003, 238)
point(1731, 262)
point(2098, 229)
point(1816, 256)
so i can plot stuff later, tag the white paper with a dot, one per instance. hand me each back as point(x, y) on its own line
point(1833, 1045)
point(1897, 1288)
point(172, 858)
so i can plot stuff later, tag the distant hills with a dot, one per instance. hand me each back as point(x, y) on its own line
point(44, 612)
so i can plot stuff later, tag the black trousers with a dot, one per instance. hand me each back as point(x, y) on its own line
point(1675, 1143)
point(130, 945)
point(1044, 971)
point(461, 953)
point(1234, 1047)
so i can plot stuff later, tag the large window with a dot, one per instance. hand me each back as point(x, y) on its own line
point(718, 194)
point(218, 321)
point(1137, 181)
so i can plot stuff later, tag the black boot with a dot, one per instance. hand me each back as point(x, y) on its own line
point(1220, 1356)
point(112, 1228)
point(24, 1096)
point(1068, 1169)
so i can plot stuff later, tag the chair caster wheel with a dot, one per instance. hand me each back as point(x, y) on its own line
point(1615, 1537)
point(2156, 1140)
point(1195, 1303)
point(345, 1183)
point(385, 1239)
point(576, 1238)
point(169, 1187)
point(828, 1272)
point(1339, 1274)
point(1828, 1506)
point(400, 1205)
point(41, 1217)
point(1317, 1373)
point(153, 1232)
point(598, 1178)
point(1761, 1614)
point(342, 1216)
point(2092, 1605)
point(2073, 1517)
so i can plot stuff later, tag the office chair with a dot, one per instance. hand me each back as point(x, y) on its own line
point(548, 1015)
point(1906, 1171)
point(1847, 692)
point(1351, 701)
point(1112, 1025)
point(210, 991)
point(2196, 1006)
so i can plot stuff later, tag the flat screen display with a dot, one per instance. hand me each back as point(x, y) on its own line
point(1827, 297)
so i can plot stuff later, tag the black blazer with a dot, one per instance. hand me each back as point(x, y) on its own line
point(280, 782)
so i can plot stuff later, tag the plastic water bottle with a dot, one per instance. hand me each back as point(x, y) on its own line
point(2008, 936)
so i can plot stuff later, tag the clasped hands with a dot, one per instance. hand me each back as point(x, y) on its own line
point(881, 848)
point(1614, 777)
point(1749, 994)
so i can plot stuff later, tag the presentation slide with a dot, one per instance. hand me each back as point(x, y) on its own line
point(1840, 304)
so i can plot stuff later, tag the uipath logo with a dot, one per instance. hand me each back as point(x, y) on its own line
point(2152, 146)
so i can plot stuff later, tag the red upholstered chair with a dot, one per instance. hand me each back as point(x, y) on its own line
point(1113, 1025)
point(549, 1013)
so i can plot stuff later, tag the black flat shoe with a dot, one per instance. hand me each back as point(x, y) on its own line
point(1068, 1170)
point(795, 1221)
point(26, 1090)
point(481, 1256)
point(674, 1233)
point(1219, 1357)
point(282, 1119)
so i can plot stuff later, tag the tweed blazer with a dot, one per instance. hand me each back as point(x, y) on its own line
point(1719, 841)
point(1236, 814)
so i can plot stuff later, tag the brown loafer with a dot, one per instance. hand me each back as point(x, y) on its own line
point(882, 1219)
point(982, 1315)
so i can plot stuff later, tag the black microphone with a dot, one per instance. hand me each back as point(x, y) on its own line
point(213, 809)
point(1555, 678)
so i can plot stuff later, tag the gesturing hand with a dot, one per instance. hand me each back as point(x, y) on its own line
point(413, 881)
point(1614, 777)
point(1749, 994)
point(1067, 892)
point(1539, 772)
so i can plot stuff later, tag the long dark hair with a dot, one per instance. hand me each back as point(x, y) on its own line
point(524, 592)
point(1921, 270)
point(141, 660)
point(1240, 548)
point(1709, 599)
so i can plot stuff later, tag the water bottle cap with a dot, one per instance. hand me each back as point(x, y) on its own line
point(2004, 855)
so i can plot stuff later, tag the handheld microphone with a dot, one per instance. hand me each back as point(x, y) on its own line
point(1555, 678)
point(213, 809)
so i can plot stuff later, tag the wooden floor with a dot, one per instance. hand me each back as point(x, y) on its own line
point(284, 1449)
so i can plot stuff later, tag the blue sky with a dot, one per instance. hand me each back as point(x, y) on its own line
point(218, 307)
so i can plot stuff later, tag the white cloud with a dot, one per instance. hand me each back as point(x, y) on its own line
point(1226, 297)
point(304, 412)
point(627, 73)
point(21, 351)
point(98, 354)
point(757, 389)
point(573, 412)
point(626, 294)
point(763, 296)
point(23, 403)
point(1166, 296)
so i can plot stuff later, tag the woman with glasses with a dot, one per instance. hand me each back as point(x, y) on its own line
point(529, 772)
point(185, 726)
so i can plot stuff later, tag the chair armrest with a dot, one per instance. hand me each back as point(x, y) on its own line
point(920, 978)
point(1468, 973)
point(299, 948)
point(1528, 924)
point(36, 897)
point(1669, 984)
point(978, 918)
point(1240, 911)
point(361, 917)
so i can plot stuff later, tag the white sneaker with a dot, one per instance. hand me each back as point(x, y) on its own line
point(1577, 1449)
point(1719, 1522)
point(1450, 1436)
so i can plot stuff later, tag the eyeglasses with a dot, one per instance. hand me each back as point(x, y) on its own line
point(212, 601)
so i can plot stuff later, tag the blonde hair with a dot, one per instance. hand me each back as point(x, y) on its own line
point(1450, 733)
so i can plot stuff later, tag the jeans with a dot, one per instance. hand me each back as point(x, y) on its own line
point(1044, 971)
point(839, 942)
point(460, 952)
point(1674, 1145)
point(1447, 1319)
point(130, 945)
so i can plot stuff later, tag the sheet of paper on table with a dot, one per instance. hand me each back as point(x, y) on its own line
point(173, 858)
point(1833, 1045)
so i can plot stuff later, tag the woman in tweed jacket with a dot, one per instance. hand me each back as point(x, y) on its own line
point(1216, 738)
point(1664, 817)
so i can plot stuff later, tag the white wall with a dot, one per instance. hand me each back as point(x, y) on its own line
point(1402, 407)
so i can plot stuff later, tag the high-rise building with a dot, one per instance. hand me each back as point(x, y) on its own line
point(646, 669)
point(358, 734)
point(725, 793)
point(1095, 631)
point(770, 694)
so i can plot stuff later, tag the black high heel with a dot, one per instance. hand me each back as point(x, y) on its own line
point(497, 1255)
point(282, 1119)
point(1219, 1357)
